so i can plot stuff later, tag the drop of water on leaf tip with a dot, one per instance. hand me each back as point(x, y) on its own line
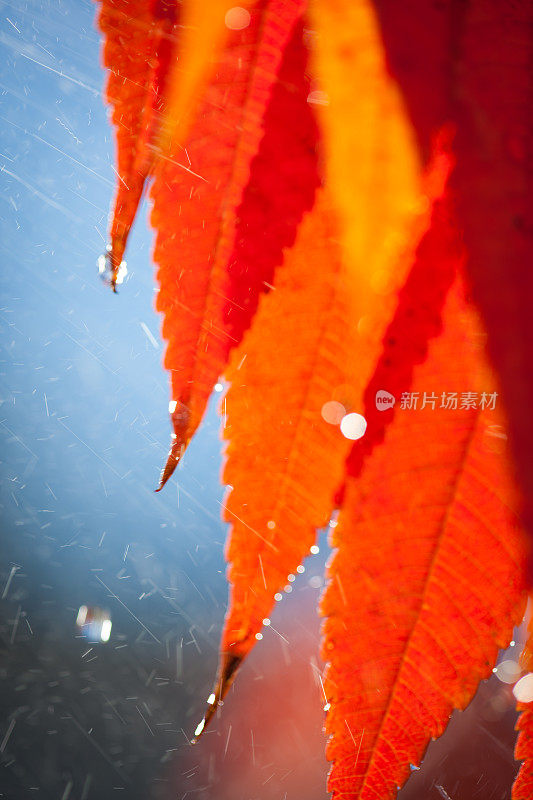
point(105, 269)
point(508, 671)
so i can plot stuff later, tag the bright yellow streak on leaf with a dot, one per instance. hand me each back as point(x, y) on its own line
point(203, 35)
point(374, 171)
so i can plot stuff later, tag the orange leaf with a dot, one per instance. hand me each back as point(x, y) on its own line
point(139, 46)
point(197, 249)
point(284, 461)
point(426, 583)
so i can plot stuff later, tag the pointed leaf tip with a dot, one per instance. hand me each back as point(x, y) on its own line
point(181, 422)
point(229, 665)
point(171, 463)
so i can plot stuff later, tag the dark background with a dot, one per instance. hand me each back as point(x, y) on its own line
point(84, 431)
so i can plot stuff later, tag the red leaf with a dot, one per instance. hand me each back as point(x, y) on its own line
point(206, 242)
point(495, 202)
point(470, 64)
point(427, 581)
point(138, 49)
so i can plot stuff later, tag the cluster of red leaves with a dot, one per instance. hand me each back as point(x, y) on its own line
point(333, 188)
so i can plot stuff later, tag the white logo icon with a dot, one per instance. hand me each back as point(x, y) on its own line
point(384, 400)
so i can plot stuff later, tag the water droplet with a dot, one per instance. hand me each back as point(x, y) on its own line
point(353, 426)
point(106, 272)
point(333, 412)
point(237, 18)
point(278, 596)
point(314, 549)
point(105, 631)
point(523, 689)
point(199, 728)
point(94, 623)
point(172, 406)
point(508, 671)
point(315, 582)
point(219, 387)
point(291, 578)
point(211, 699)
point(258, 636)
point(300, 569)
point(287, 589)
point(271, 524)
point(82, 616)
point(266, 621)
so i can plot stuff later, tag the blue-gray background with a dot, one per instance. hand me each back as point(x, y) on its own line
point(84, 431)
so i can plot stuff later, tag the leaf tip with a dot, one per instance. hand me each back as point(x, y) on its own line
point(230, 663)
